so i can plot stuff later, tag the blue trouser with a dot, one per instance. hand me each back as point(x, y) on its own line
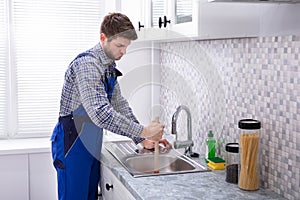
point(76, 149)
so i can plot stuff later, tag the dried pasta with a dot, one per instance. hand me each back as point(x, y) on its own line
point(248, 179)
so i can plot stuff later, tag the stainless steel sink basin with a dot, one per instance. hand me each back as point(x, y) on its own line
point(140, 162)
point(166, 163)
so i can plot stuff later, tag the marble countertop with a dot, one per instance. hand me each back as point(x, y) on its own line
point(202, 185)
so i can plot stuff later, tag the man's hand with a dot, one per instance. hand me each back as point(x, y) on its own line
point(153, 131)
point(148, 144)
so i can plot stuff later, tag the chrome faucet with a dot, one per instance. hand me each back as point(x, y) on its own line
point(187, 144)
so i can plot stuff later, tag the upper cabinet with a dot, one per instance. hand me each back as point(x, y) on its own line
point(199, 18)
point(179, 19)
point(225, 20)
point(158, 20)
point(134, 9)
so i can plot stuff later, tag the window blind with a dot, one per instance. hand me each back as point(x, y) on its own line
point(3, 69)
point(45, 37)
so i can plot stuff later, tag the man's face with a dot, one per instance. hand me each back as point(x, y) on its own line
point(114, 48)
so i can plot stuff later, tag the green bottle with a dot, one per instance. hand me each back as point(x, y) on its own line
point(210, 145)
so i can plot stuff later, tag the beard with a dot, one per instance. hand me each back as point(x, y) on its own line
point(110, 54)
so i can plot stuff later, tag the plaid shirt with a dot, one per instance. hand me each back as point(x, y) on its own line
point(84, 84)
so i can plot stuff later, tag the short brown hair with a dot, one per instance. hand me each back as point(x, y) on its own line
point(118, 25)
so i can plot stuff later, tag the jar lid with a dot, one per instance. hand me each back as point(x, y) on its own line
point(232, 147)
point(249, 124)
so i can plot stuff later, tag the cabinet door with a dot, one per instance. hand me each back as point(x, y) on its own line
point(202, 19)
point(14, 177)
point(158, 9)
point(206, 20)
point(42, 177)
point(106, 181)
point(185, 17)
point(111, 6)
point(152, 11)
point(226, 20)
point(134, 10)
point(111, 187)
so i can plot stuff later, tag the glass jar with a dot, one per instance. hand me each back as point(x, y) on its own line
point(232, 162)
point(249, 147)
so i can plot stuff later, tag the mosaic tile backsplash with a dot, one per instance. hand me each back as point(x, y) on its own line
point(223, 81)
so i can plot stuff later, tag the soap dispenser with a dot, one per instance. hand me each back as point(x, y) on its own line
point(210, 145)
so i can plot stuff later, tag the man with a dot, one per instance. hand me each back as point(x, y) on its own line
point(91, 100)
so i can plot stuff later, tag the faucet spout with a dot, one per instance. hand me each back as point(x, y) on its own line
point(189, 142)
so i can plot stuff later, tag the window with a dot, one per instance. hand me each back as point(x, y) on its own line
point(38, 39)
point(3, 64)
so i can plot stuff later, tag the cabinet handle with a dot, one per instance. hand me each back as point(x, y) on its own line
point(166, 21)
point(160, 22)
point(163, 22)
point(108, 187)
point(140, 26)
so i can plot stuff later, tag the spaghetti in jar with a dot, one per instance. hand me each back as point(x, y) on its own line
point(249, 147)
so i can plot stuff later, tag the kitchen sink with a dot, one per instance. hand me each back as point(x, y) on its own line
point(139, 162)
point(145, 164)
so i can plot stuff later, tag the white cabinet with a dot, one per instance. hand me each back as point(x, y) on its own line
point(42, 177)
point(158, 9)
point(155, 11)
point(134, 10)
point(197, 19)
point(28, 176)
point(225, 20)
point(111, 187)
point(14, 177)
point(111, 6)
point(200, 19)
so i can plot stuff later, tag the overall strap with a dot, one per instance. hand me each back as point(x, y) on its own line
point(110, 80)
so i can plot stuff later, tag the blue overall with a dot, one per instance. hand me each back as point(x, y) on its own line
point(76, 149)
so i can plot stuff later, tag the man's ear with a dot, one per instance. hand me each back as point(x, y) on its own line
point(102, 37)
